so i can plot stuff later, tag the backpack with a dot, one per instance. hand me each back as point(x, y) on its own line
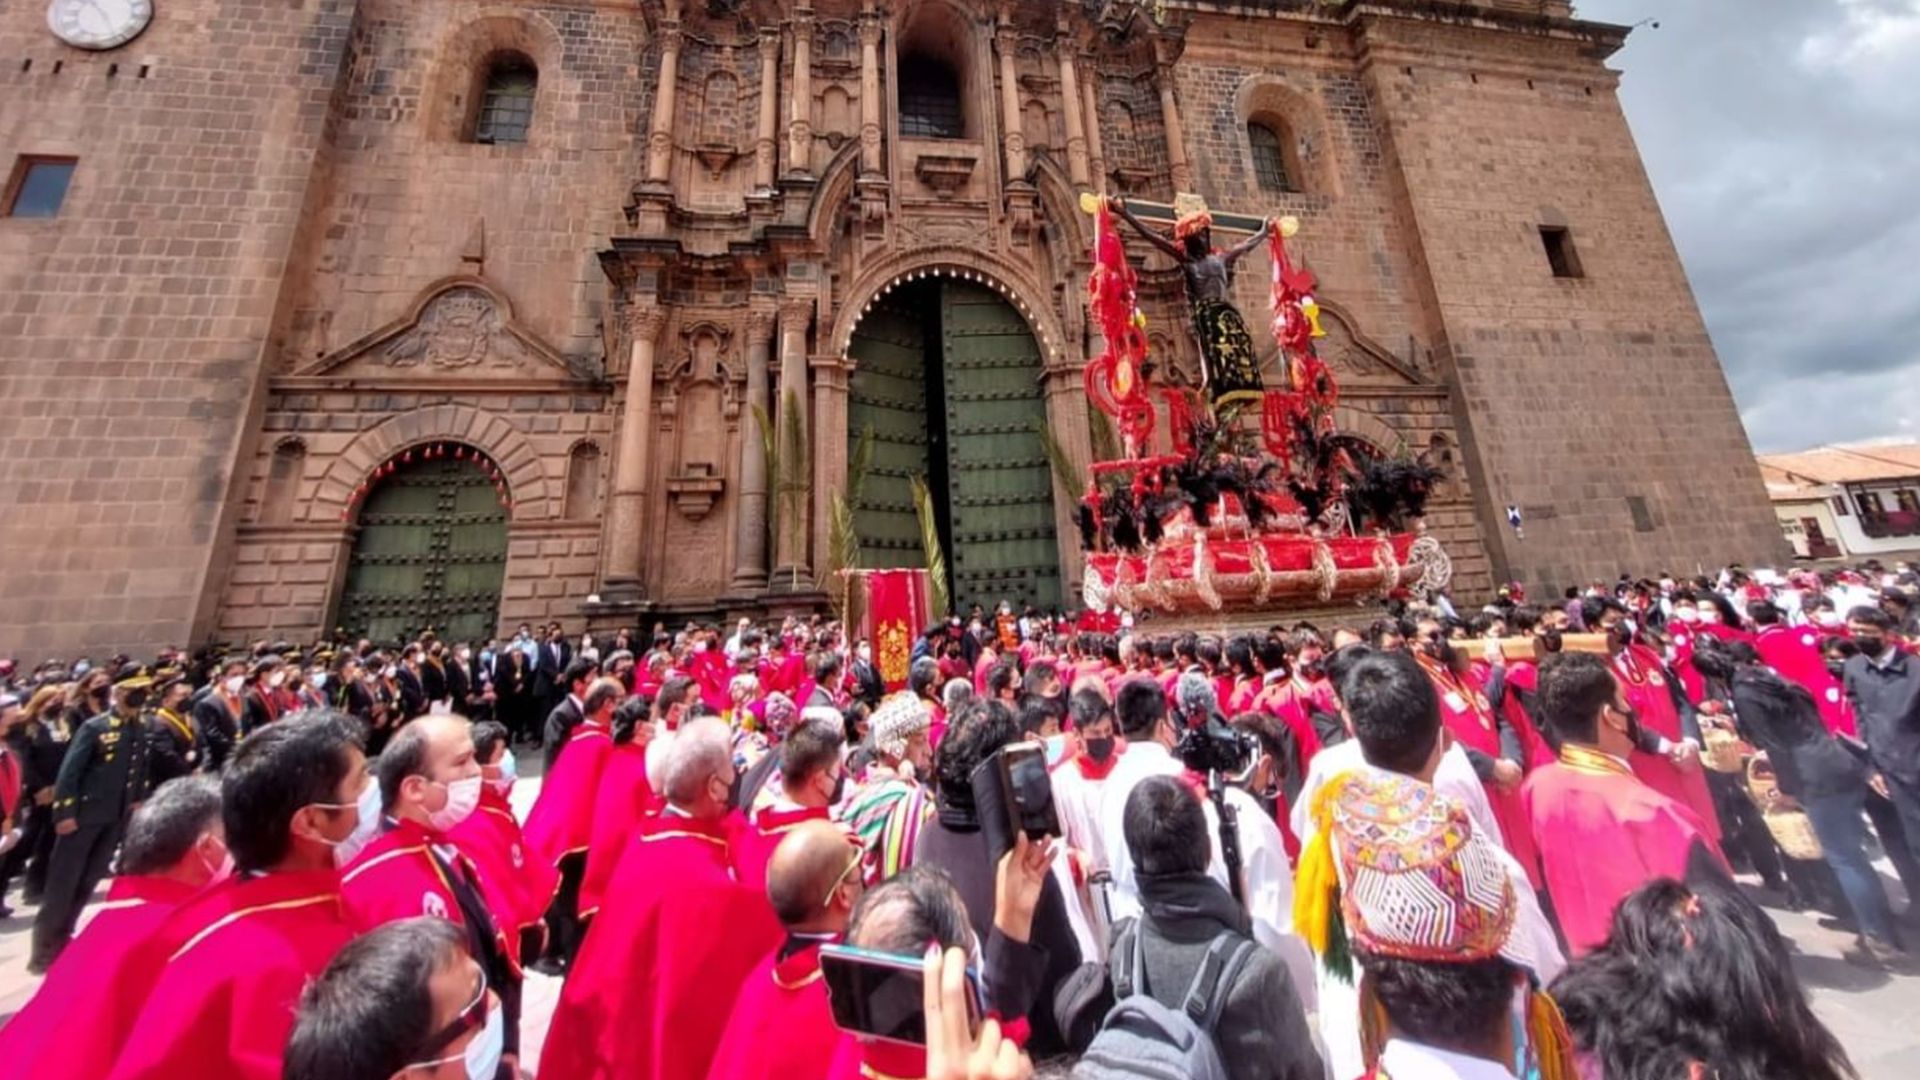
point(1141, 1039)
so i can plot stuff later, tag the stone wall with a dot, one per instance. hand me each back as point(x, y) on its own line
point(133, 325)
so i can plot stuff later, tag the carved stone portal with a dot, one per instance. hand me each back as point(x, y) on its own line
point(459, 329)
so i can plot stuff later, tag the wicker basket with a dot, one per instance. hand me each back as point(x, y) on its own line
point(1723, 751)
point(1792, 829)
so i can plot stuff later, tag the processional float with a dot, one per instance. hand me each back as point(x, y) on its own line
point(1230, 520)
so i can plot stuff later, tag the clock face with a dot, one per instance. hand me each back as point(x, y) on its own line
point(98, 24)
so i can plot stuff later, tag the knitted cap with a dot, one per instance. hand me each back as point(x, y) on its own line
point(898, 719)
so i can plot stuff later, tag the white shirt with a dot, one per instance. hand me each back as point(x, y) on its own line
point(1263, 858)
point(1339, 999)
point(1404, 1060)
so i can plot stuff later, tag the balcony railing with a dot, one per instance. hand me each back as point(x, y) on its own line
point(1890, 524)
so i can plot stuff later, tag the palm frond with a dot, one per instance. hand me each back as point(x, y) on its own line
point(1064, 470)
point(770, 448)
point(795, 474)
point(1105, 441)
point(930, 543)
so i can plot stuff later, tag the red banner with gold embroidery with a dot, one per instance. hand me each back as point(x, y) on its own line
point(896, 611)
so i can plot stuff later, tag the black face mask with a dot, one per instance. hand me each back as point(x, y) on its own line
point(1871, 645)
point(1551, 639)
point(136, 699)
point(839, 790)
point(1313, 670)
point(1441, 650)
point(1100, 749)
point(1633, 726)
point(1619, 636)
point(1836, 667)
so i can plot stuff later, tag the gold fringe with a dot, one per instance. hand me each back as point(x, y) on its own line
point(1547, 1034)
point(1316, 888)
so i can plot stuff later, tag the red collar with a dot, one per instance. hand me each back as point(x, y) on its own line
point(800, 969)
point(892, 1060)
point(150, 889)
point(664, 824)
point(772, 821)
point(1094, 770)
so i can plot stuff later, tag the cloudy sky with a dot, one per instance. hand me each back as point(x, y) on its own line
point(1783, 138)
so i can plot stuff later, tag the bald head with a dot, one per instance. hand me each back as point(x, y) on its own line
point(806, 873)
point(427, 751)
point(908, 910)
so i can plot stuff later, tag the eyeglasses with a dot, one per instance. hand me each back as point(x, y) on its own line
point(859, 857)
point(472, 1017)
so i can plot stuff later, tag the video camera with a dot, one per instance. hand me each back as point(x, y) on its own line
point(1208, 745)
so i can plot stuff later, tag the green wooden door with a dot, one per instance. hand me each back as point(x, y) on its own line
point(1000, 486)
point(430, 554)
point(946, 375)
point(887, 394)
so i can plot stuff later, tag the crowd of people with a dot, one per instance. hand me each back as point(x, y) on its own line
point(1492, 844)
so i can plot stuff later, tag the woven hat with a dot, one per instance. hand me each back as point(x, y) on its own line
point(780, 713)
point(1417, 881)
point(898, 719)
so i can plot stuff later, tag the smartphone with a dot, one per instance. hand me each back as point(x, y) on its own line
point(1029, 790)
point(881, 995)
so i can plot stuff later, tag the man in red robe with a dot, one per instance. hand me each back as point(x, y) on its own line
point(1494, 751)
point(560, 825)
point(429, 784)
point(1602, 831)
point(518, 888)
point(175, 846)
point(1668, 757)
point(782, 1025)
point(624, 798)
point(1795, 652)
point(223, 975)
point(674, 912)
point(813, 780)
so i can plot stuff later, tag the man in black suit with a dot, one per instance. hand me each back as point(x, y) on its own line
point(548, 665)
point(570, 711)
point(868, 686)
point(460, 679)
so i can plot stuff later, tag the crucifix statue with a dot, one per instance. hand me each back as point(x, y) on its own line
point(1232, 367)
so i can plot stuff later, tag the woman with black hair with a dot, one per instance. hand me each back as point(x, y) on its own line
point(953, 842)
point(1695, 979)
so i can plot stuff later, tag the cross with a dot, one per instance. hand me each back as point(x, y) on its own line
point(1167, 214)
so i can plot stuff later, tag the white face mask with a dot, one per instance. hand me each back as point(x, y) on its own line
point(462, 797)
point(222, 872)
point(1709, 615)
point(319, 680)
point(866, 652)
point(364, 830)
point(1687, 614)
point(509, 772)
point(277, 679)
point(235, 682)
point(483, 1053)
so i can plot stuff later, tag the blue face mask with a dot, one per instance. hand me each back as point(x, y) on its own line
point(1056, 749)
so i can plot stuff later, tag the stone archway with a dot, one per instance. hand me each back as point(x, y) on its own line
point(488, 432)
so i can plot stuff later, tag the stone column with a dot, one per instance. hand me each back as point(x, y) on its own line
point(660, 139)
point(790, 572)
point(1067, 406)
point(766, 150)
point(626, 540)
point(800, 122)
point(829, 453)
point(1097, 163)
point(1015, 140)
point(1070, 108)
point(750, 537)
point(872, 29)
point(1177, 165)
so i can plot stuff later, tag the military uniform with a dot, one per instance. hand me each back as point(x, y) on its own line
point(175, 749)
point(103, 778)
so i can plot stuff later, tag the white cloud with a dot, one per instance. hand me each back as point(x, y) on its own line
point(1867, 35)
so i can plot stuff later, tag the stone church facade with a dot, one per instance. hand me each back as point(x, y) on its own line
point(384, 314)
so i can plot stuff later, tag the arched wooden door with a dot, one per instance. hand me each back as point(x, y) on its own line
point(947, 376)
point(430, 553)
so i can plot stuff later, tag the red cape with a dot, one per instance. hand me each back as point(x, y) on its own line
point(782, 1026)
point(1645, 681)
point(1469, 716)
point(1525, 675)
point(713, 671)
point(753, 848)
point(1602, 834)
point(518, 888)
point(1794, 652)
point(1285, 700)
point(80, 1015)
point(396, 878)
point(561, 821)
point(675, 914)
point(226, 971)
point(623, 799)
point(856, 1060)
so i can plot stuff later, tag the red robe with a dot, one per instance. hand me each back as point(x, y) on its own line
point(1794, 652)
point(781, 1027)
point(1525, 675)
point(561, 821)
point(1645, 683)
point(1602, 834)
point(396, 878)
point(753, 848)
point(1469, 716)
point(623, 799)
point(225, 975)
point(675, 913)
point(518, 889)
point(81, 1014)
point(1287, 701)
point(714, 672)
point(857, 1060)
point(783, 671)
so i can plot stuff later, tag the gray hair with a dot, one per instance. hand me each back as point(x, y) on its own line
point(956, 693)
point(699, 750)
point(169, 823)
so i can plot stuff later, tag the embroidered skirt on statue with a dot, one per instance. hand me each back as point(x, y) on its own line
point(1226, 350)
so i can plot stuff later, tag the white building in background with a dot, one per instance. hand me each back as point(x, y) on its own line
point(1847, 500)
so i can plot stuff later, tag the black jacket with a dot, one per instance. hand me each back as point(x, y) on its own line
point(40, 755)
point(1887, 702)
point(105, 771)
point(868, 686)
point(459, 683)
point(560, 724)
point(171, 753)
point(219, 729)
point(413, 697)
point(1781, 718)
point(433, 680)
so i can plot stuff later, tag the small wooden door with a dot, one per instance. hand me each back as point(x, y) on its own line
point(431, 553)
